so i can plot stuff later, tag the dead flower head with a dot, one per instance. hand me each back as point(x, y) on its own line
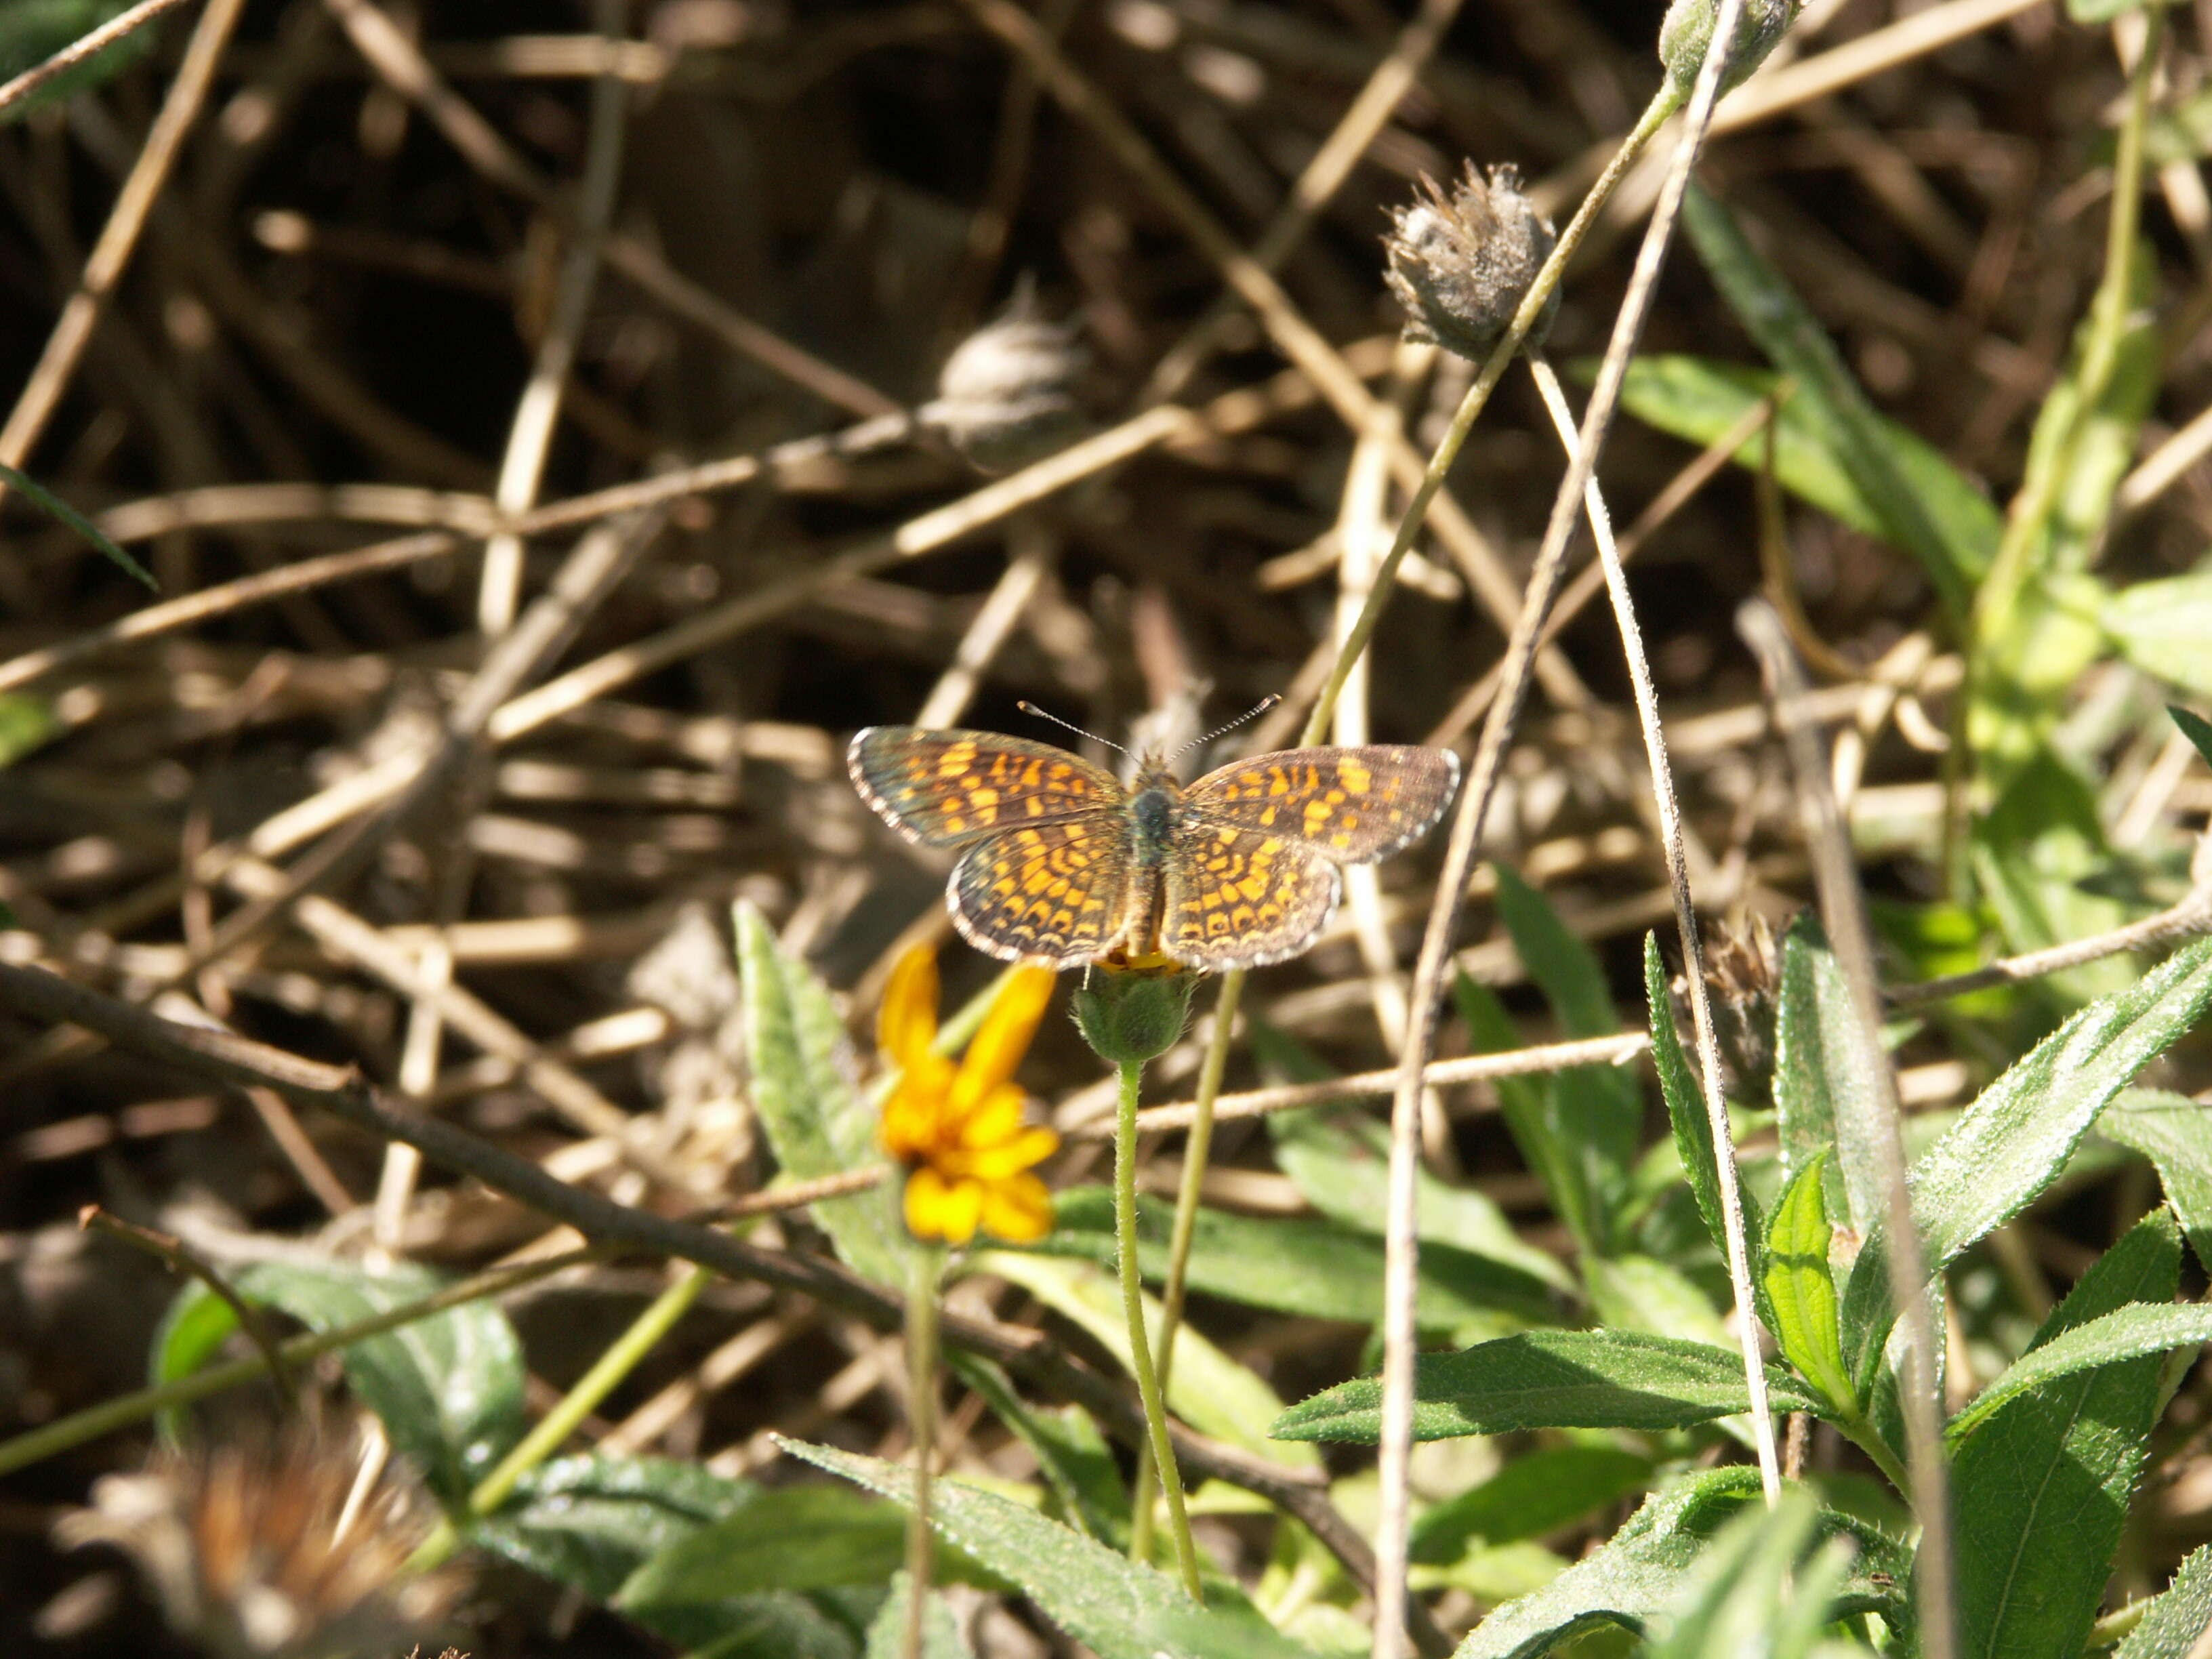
point(1460, 265)
point(241, 1545)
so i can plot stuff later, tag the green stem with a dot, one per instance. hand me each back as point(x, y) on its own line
point(921, 1416)
point(1197, 1148)
point(1132, 1305)
point(1861, 1433)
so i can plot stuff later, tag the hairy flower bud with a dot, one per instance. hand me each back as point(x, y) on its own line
point(1687, 30)
point(1134, 1008)
point(1009, 394)
point(1461, 266)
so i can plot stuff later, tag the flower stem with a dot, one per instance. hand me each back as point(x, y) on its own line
point(1132, 1304)
point(921, 1418)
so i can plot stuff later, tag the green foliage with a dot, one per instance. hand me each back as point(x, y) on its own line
point(2196, 728)
point(1536, 1494)
point(2177, 1620)
point(1800, 1290)
point(2161, 628)
point(1946, 537)
point(591, 1522)
point(1637, 1580)
point(803, 1090)
point(1605, 1379)
point(2175, 1134)
point(1765, 1584)
point(1822, 1098)
point(1114, 1607)
point(448, 1388)
point(26, 723)
point(2040, 1489)
point(31, 488)
point(1699, 399)
point(1311, 1269)
point(940, 1637)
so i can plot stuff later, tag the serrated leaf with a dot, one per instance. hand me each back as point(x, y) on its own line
point(1207, 1389)
point(1949, 549)
point(1636, 1577)
point(1822, 1100)
point(1699, 399)
point(1802, 1290)
point(1548, 1380)
point(2178, 1617)
point(804, 1093)
point(590, 1522)
point(447, 1389)
point(1534, 1494)
point(2161, 628)
point(2052, 1451)
point(1114, 1607)
point(2175, 1134)
point(2017, 1137)
point(1309, 1269)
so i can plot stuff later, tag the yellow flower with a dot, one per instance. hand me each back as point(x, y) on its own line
point(958, 1129)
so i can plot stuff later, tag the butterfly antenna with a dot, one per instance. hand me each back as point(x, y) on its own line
point(1253, 712)
point(1031, 708)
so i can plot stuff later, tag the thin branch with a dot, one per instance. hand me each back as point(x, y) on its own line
point(77, 50)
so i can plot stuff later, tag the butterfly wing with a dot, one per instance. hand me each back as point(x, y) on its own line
point(1240, 898)
point(1351, 805)
point(949, 788)
point(1057, 890)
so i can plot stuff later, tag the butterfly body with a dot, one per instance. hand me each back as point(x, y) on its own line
point(1063, 863)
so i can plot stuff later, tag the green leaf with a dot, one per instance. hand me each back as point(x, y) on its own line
point(2012, 1143)
point(590, 1522)
point(1822, 1099)
point(1635, 1292)
point(2179, 1617)
point(1340, 1157)
point(1548, 1380)
point(1802, 1290)
point(1114, 1607)
point(2161, 626)
point(1071, 1454)
point(784, 1538)
point(1637, 1577)
point(37, 492)
point(2126, 1333)
point(803, 1091)
point(448, 1388)
point(1207, 1389)
point(2175, 1134)
point(1754, 1590)
point(1699, 399)
point(1686, 1105)
point(2035, 854)
point(26, 724)
point(2052, 1450)
point(2195, 727)
point(1310, 1269)
point(32, 31)
point(1952, 546)
point(940, 1637)
point(1534, 1494)
point(2103, 11)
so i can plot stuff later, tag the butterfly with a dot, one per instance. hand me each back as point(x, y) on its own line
point(1060, 863)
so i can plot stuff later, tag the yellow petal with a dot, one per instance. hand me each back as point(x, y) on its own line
point(1018, 1210)
point(927, 1198)
point(992, 1121)
point(906, 1025)
point(1004, 1038)
point(999, 1163)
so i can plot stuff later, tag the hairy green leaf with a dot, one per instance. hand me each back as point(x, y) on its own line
point(591, 1522)
point(2161, 628)
point(1537, 1492)
point(2175, 1134)
point(1822, 1099)
point(1802, 1290)
point(2177, 1620)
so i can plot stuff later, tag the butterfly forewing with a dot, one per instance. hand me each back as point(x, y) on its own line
point(947, 788)
point(1352, 805)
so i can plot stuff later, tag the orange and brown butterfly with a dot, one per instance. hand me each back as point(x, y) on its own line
point(1061, 863)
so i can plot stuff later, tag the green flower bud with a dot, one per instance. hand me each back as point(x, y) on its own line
point(1687, 30)
point(1133, 1010)
point(1461, 266)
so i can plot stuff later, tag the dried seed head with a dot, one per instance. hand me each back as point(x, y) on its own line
point(1011, 392)
point(1688, 29)
point(1461, 266)
point(243, 1550)
point(1744, 973)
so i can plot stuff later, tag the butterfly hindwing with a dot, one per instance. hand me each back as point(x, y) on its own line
point(1239, 898)
point(1051, 891)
